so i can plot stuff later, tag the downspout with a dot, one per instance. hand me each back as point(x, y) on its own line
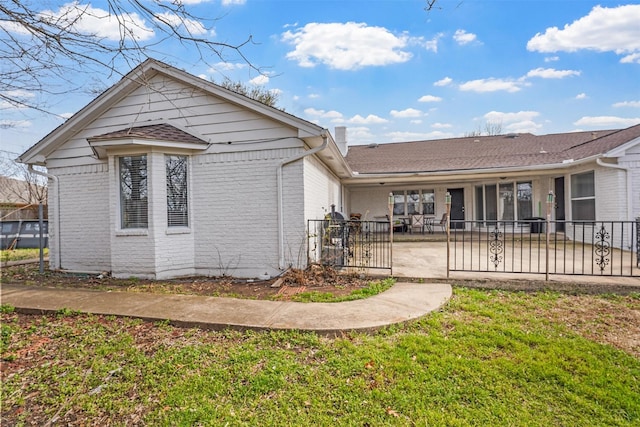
point(629, 183)
point(325, 142)
point(58, 259)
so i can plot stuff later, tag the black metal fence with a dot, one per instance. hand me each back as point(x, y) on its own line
point(606, 248)
point(349, 243)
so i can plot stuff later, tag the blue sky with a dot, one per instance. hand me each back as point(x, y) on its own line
point(390, 71)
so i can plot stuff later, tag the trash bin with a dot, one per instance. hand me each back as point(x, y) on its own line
point(536, 224)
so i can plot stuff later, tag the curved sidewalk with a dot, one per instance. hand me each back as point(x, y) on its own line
point(401, 303)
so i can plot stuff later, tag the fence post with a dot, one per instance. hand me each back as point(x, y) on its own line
point(390, 202)
point(638, 242)
point(548, 233)
point(41, 240)
point(447, 203)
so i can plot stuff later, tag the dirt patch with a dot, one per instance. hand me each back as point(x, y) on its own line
point(315, 278)
point(600, 319)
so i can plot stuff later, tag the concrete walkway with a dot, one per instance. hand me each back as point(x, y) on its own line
point(401, 303)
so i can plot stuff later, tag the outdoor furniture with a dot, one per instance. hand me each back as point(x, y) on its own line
point(400, 224)
point(418, 221)
point(428, 224)
point(443, 222)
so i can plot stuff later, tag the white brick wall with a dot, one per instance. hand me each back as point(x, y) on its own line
point(84, 231)
point(322, 189)
point(611, 194)
point(235, 212)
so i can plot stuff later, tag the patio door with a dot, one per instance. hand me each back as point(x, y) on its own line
point(457, 207)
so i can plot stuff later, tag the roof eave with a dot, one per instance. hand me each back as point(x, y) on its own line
point(360, 178)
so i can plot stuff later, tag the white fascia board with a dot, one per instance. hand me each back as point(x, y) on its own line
point(468, 174)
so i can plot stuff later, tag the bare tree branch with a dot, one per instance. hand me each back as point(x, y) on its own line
point(39, 47)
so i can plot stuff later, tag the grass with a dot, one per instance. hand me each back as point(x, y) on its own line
point(488, 358)
point(21, 254)
point(373, 288)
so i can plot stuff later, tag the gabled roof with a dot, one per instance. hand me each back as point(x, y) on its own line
point(161, 132)
point(485, 152)
point(136, 78)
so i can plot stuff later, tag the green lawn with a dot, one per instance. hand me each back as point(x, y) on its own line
point(489, 358)
point(20, 254)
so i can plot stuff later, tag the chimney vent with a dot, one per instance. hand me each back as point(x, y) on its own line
point(341, 139)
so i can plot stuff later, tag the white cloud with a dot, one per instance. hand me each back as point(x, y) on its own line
point(462, 37)
point(345, 46)
point(21, 96)
point(89, 20)
point(232, 2)
point(629, 59)
point(551, 58)
point(634, 104)
point(193, 1)
point(416, 136)
point(429, 98)
point(226, 66)
point(259, 80)
point(444, 82)
point(65, 115)
point(323, 114)
point(7, 124)
point(416, 121)
point(370, 119)
point(602, 30)
point(525, 126)
point(314, 96)
point(607, 121)
point(493, 85)
point(581, 96)
point(441, 125)
point(510, 118)
point(409, 112)
point(432, 45)
point(550, 73)
point(191, 25)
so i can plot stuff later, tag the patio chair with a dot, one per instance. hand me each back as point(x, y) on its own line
point(443, 222)
point(418, 221)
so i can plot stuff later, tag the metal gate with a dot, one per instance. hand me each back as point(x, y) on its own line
point(349, 243)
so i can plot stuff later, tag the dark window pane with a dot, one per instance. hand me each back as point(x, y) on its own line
point(133, 192)
point(177, 201)
point(582, 185)
point(584, 210)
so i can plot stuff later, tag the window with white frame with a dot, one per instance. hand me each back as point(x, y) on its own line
point(133, 192)
point(583, 197)
point(410, 202)
point(177, 191)
point(504, 201)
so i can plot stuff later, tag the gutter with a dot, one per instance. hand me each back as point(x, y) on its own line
point(57, 262)
point(325, 142)
point(629, 184)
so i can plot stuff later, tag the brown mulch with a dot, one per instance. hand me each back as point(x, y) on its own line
point(293, 281)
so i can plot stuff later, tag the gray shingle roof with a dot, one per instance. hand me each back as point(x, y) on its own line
point(158, 132)
point(485, 152)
